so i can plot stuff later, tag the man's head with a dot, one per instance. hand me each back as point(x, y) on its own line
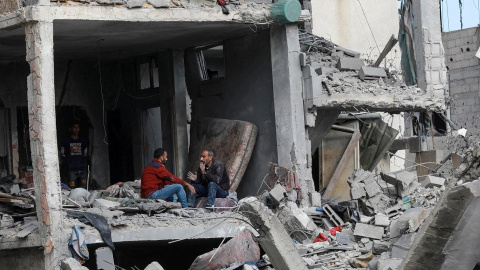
point(161, 155)
point(206, 157)
point(75, 129)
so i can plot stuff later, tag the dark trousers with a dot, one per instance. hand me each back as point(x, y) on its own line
point(211, 191)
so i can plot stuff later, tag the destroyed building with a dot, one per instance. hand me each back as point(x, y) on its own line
point(290, 112)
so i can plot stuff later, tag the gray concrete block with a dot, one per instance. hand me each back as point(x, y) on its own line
point(278, 193)
point(369, 231)
point(372, 189)
point(348, 63)
point(357, 193)
point(401, 179)
point(154, 266)
point(133, 3)
point(104, 257)
point(433, 181)
point(159, 3)
point(371, 73)
point(72, 264)
point(403, 244)
point(348, 52)
point(382, 220)
point(315, 198)
point(345, 239)
point(380, 246)
point(325, 70)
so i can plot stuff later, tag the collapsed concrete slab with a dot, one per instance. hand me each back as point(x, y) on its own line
point(273, 238)
point(296, 222)
point(435, 233)
point(369, 231)
point(242, 248)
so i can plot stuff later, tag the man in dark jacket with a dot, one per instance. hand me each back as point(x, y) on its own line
point(211, 180)
point(159, 183)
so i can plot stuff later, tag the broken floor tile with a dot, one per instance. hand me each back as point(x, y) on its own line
point(369, 231)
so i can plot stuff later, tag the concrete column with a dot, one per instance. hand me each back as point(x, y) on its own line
point(180, 113)
point(43, 141)
point(429, 51)
point(288, 100)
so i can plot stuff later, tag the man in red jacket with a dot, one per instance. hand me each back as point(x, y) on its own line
point(159, 183)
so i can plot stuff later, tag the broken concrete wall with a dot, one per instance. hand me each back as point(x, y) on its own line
point(464, 74)
point(27, 258)
point(246, 93)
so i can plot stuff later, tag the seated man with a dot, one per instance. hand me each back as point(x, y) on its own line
point(159, 183)
point(211, 180)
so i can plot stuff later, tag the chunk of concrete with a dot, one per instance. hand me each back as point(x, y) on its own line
point(278, 193)
point(403, 244)
point(274, 239)
point(401, 179)
point(382, 220)
point(388, 264)
point(348, 63)
point(104, 257)
point(102, 203)
point(369, 231)
point(325, 70)
point(380, 246)
point(357, 193)
point(241, 248)
point(315, 198)
point(154, 266)
point(431, 181)
point(372, 189)
point(408, 221)
point(371, 73)
point(296, 222)
point(72, 264)
point(159, 3)
point(133, 3)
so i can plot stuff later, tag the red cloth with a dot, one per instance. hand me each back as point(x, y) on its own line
point(320, 238)
point(333, 231)
point(155, 176)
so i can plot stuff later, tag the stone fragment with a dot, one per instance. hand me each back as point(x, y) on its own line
point(369, 231)
point(133, 3)
point(403, 244)
point(159, 3)
point(431, 181)
point(102, 203)
point(296, 222)
point(345, 239)
point(372, 189)
point(371, 73)
point(274, 239)
point(382, 220)
point(404, 181)
point(104, 257)
point(72, 264)
point(408, 222)
point(365, 219)
point(325, 70)
point(315, 198)
point(380, 246)
point(348, 63)
point(357, 193)
point(278, 193)
point(154, 266)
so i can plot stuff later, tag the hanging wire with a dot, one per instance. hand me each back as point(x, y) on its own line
point(378, 48)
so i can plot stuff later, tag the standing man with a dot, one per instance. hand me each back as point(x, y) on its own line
point(74, 156)
point(211, 180)
point(159, 183)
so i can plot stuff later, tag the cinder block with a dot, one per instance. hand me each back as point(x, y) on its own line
point(277, 193)
point(315, 198)
point(371, 73)
point(368, 231)
point(348, 63)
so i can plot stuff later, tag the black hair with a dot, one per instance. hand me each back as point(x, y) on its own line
point(75, 122)
point(158, 153)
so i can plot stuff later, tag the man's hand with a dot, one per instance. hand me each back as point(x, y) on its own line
point(192, 176)
point(191, 188)
point(202, 167)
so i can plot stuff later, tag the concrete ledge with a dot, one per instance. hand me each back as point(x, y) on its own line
point(385, 102)
point(33, 240)
point(11, 20)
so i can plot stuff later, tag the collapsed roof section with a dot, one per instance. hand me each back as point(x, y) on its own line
point(336, 77)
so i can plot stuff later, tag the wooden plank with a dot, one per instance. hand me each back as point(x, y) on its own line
point(4, 195)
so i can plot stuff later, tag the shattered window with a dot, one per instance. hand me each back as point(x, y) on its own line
point(211, 61)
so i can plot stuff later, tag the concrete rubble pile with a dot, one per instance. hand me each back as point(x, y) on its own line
point(374, 230)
